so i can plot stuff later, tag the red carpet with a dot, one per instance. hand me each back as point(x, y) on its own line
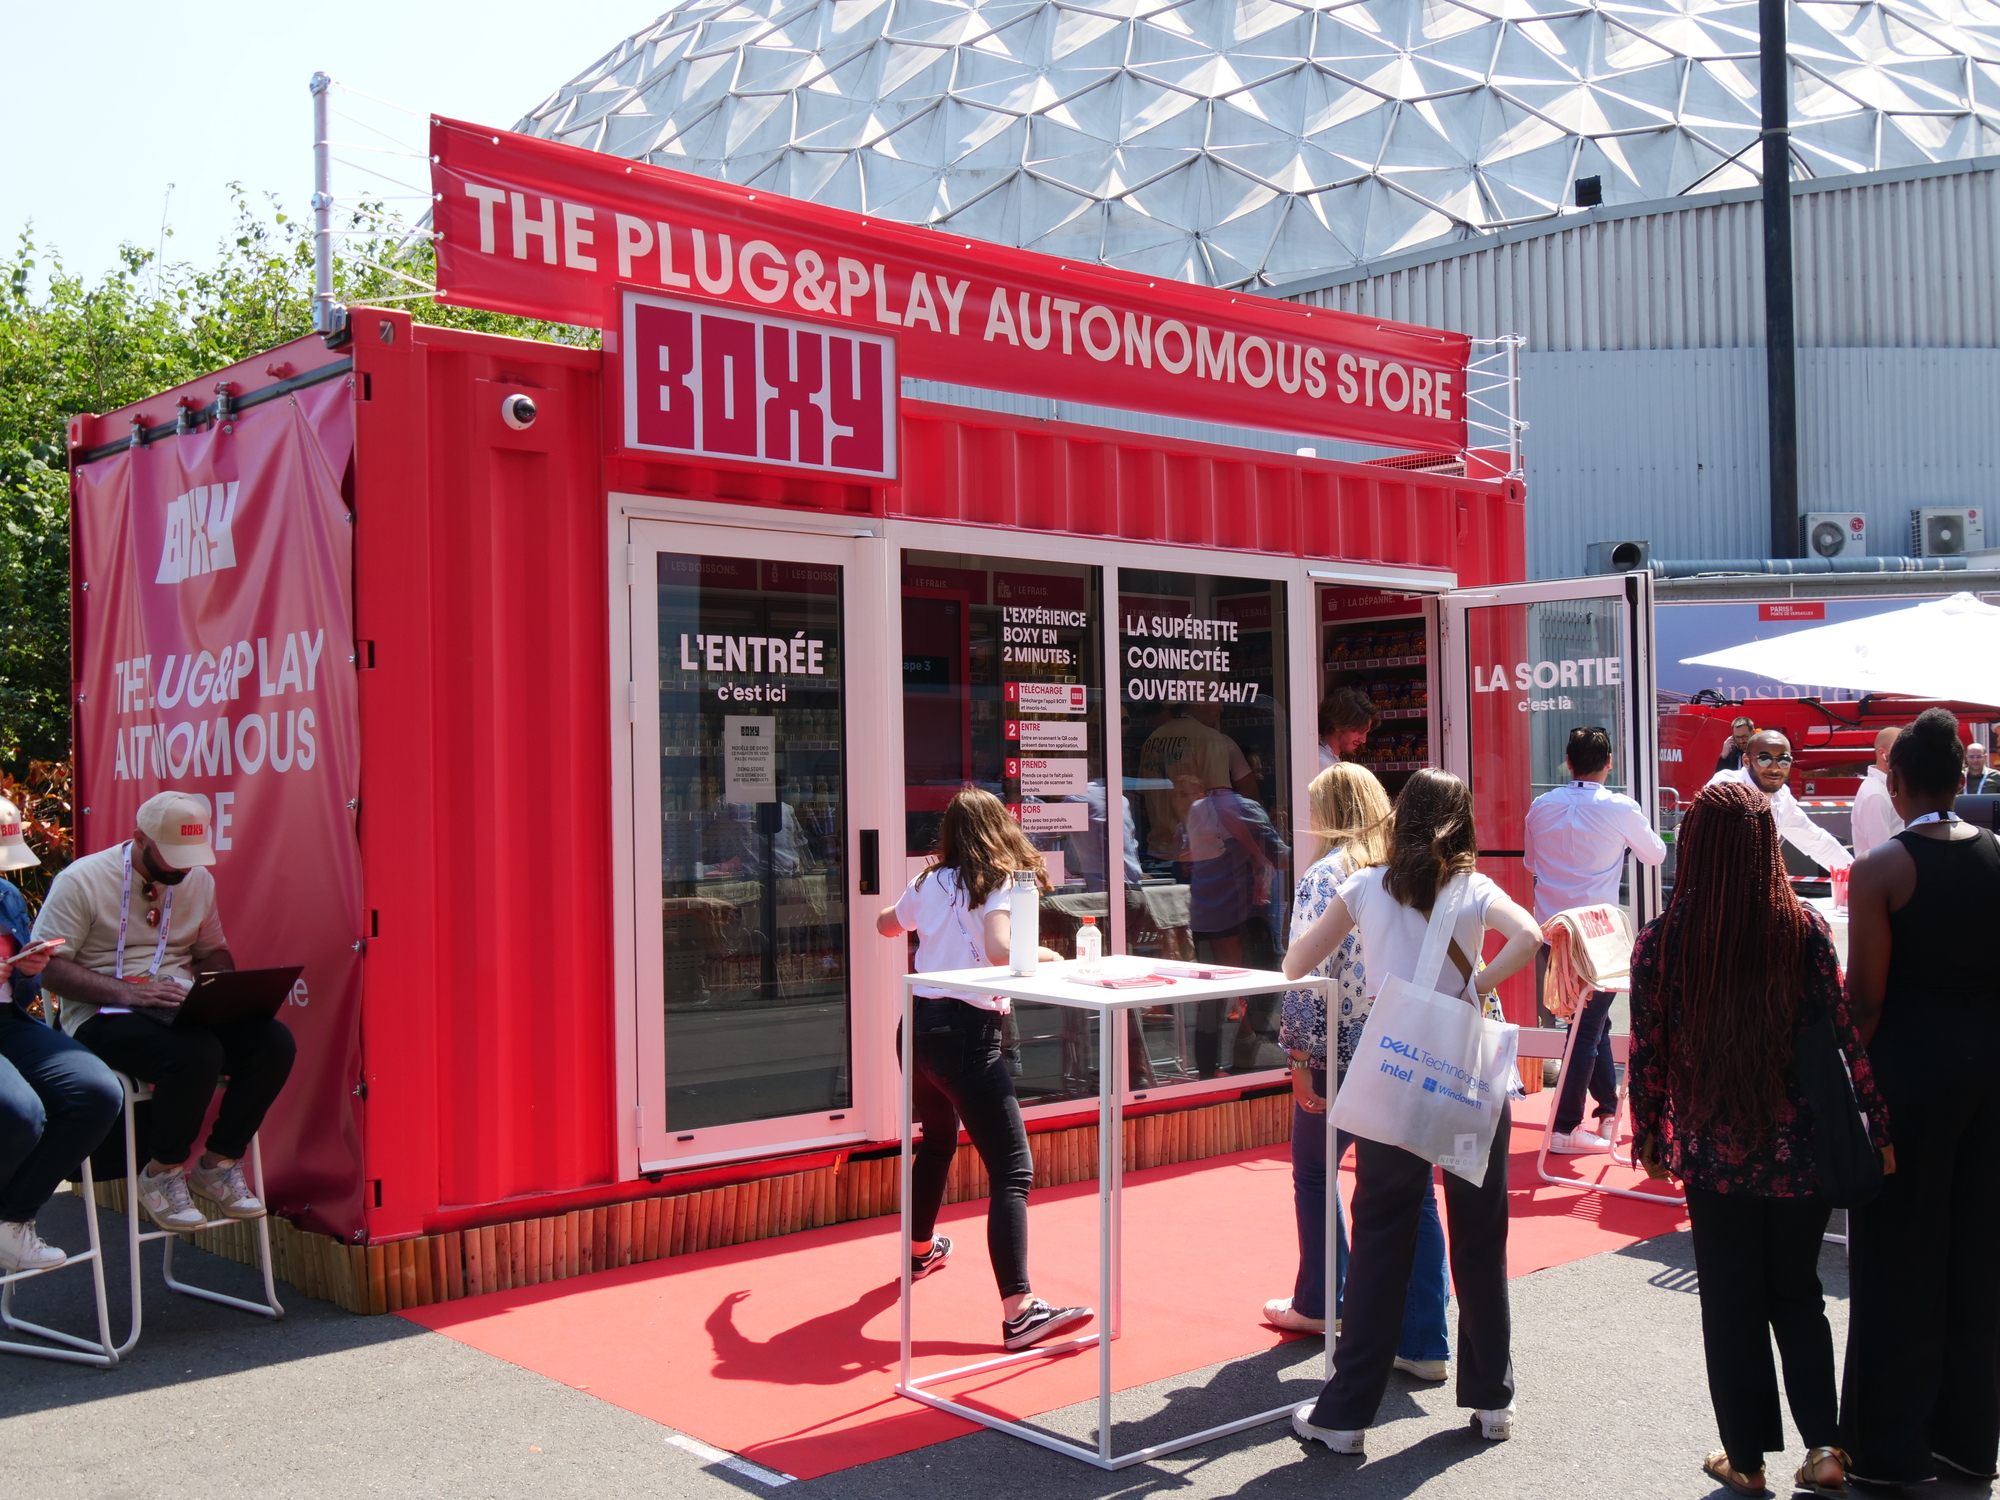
point(784, 1350)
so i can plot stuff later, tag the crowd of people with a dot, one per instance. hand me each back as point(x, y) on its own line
point(96, 984)
point(1741, 1023)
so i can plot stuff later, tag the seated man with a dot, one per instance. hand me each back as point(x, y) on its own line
point(141, 922)
point(56, 1100)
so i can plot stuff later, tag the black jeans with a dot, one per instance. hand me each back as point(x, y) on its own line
point(961, 1075)
point(56, 1103)
point(1923, 1343)
point(1590, 1064)
point(1390, 1185)
point(184, 1063)
point(1758, 1261)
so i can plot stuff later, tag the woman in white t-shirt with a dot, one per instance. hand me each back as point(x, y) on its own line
point(958, 909)
point(1431, 841)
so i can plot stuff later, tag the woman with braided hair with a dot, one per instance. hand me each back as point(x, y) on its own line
point(1722, 984)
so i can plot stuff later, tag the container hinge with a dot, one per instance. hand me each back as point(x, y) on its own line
point(631, 703)
point(630, 563)
point(638, 1117)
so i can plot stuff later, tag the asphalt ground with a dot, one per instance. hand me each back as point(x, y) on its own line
point(1613, 1402)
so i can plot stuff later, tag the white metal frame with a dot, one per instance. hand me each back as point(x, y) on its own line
point(1621, 1044)
point(71, 1350)
point(270, 1307)
point(1051, 988)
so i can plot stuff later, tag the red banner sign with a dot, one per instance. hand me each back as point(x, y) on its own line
point(1793, 609)
point(551, 231)
point(215, 646)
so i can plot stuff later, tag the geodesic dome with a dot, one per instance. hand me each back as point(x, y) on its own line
point(1245, 142)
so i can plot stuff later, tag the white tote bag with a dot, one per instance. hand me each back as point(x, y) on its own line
point(1430, 1072)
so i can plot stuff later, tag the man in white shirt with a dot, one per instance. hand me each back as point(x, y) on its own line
point(1574, 847)
point(1875, 820)
point(1347, 716)
point(1766, 765)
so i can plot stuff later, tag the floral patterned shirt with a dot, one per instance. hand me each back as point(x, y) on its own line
point(1782, 1163)
point(1302, 1020)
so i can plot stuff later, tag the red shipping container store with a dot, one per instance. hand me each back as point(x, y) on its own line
point(494, 1021)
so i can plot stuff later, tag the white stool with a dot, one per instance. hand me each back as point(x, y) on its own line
point(1621, 1045)
point(136, 1092)
point(76, 1350)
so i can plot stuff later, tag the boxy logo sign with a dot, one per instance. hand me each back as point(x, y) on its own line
point(728, 384)
point(198, 536)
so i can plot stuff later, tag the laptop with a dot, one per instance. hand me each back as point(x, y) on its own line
point(237, 995)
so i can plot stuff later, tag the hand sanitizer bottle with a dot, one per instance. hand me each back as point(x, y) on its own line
point(1089, 947)
point(1024, 906)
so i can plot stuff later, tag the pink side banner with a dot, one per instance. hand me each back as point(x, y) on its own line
point(214, 654)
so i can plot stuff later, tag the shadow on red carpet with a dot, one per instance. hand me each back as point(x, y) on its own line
point(785, 1350)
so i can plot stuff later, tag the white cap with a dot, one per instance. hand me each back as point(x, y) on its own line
point(14, 851)
point(178, 825)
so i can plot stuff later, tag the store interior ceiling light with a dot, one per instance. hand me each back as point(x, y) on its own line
point(1250, 142)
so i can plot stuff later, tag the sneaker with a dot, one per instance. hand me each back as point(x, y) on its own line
point(932, 1259)
point(1606, 1127)
point(1495, 1426)
point(1424, 1369)
point(21, 1249)
point(223, 1185)
point(1279, 1313)
point(166, 1202)
point(1335, 1438)
point(1039, 1321)
point(1577, 1142)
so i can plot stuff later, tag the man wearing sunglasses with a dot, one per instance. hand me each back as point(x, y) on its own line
point(1767, 763)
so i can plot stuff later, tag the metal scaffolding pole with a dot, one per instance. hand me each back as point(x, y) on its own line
point(1780, 328)
point(327, 314)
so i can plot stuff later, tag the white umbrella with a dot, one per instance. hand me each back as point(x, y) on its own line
point(1946, 648)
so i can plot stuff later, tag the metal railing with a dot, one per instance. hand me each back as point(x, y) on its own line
point(1493, 397)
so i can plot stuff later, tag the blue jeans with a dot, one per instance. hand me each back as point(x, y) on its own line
point(57, 1102)
point(1590, 1064)
point(1425, 1335)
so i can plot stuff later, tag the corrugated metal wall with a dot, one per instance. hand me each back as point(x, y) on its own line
point(1643, 378)
point(1884, 260)
point(1668, 445)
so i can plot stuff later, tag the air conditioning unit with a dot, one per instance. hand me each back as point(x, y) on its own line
point(1946, 531)
point(1617, 557)
point(1826, 533)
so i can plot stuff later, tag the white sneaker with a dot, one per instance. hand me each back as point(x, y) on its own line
point(1495, 1426)
point(1577, 1142)
point(21, 1249)
point(224, 1186)
point(1279, 1313)
point(1607, 1127)
point(1424, 1369)
point(1336, 1439)
point(166, 1202)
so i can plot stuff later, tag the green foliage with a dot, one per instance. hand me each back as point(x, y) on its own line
point(67, 346)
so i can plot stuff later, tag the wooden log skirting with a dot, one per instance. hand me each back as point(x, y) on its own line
point(407, 1273)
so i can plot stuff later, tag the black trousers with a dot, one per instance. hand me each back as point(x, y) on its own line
point(184, 1064)
point(1758, 1260)
point(1389, 1189)
point(1923, 1342)
point(961, 1074)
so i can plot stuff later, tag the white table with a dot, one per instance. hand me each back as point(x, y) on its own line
point(1055, 985)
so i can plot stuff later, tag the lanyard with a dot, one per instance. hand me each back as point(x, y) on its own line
point(1933, 817)
point(125, 916)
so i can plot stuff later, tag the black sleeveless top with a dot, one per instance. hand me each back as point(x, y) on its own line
point(1942, 941)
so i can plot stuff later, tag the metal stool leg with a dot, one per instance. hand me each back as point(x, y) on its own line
point(135, 1237)
point(77, 1350)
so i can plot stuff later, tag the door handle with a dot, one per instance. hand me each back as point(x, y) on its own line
point(871, 862)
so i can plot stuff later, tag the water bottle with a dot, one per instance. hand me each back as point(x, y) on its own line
point(1089, 947)
point(1024, 906)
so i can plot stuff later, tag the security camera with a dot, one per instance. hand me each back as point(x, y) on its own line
point(518, 412)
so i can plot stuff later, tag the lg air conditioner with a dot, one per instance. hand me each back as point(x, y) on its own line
point(1946, 531)
point(1825, 533)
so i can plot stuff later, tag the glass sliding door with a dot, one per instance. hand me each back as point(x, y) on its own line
point(741, 743)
